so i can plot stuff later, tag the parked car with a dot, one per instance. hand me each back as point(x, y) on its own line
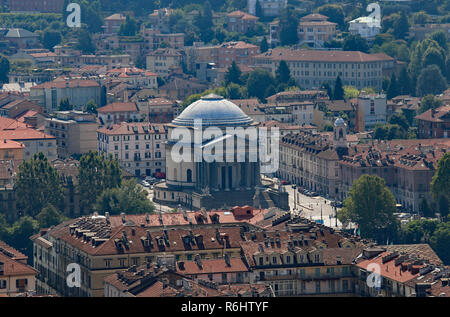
point(285, 182)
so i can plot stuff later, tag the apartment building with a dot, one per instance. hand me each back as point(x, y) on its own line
point(159, 19)
point(75, 132)
point(13, 106)
point(241, 22)
point(135, 77)
point(224, 54)
point(78, 91)
point(311, 159)
point(112, 23)
point(154, 38)
point(104, 245)
point(11, 150)
point(117, 112)
point(139, 147)
point(274, 33)
point(16, 277)
point(312, 68)
point(163, 60)
point(370, 110)
point(162, 279)
point(160, 110)
point(33, 140)
point(434, 123)
point(67, 56)
point(315, 30)
point(404, 271)
point(407, 166)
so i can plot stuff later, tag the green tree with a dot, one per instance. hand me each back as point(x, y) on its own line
point(258, 82)
point(441, 240)
point(380, 132)
point(129, 198)
point(288, 27)
point(326, 86)
point(440, 183)
point(91, 106)
point(338, 92)
point(371, 205)
point(421, 17)
point(64, 105)
point(443, 205)
point(334, 12)
point(418, 231)
point(129, 27)
point(39, 181)
point(393, 90)
point(441, 38)
point(425, 209)
point(400, 119)
point(264, 46)
point(431, 81)
point(4, 69)
point(96, 173)
point(282, 74)
point(49, 216)
point(85, 43)
point(401, 26)
point(404, 82)
point(429, 102)
point(51, 38)
point(355, 43)
point(19, 235)
point(233, 74)
point(258, 9)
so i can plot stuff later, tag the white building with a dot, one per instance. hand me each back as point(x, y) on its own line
point(367, 27)
point(371, 110)
point(270, 8)
point(138, 146)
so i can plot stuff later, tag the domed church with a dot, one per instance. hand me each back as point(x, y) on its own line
point(196, 182)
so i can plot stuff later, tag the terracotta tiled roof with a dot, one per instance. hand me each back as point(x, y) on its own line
point(133, 128)
point(24, 134)
point(212, 266)
point(435, 115)
point(134, 243)
point(8, 144)
point(73, 83)
point(322, 56)
point(14, 262)
point(119, 107)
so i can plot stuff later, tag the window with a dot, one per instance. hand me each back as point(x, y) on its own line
point(107, 263)
point(345, 285)
point(317, 286)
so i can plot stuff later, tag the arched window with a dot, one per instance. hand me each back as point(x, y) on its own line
point(189, 176)
point(341, 135)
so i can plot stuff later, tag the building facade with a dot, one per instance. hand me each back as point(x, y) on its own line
point(312, 68)
point(79, 92)
point(75, 132)
point(139, 147)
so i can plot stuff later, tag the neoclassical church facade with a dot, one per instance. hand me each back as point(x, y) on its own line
point(215, 178)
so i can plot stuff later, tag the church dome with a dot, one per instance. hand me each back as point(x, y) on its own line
point(339, 122)
point(214, 110)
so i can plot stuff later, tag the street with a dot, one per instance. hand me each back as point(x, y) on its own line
point(314, 208)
